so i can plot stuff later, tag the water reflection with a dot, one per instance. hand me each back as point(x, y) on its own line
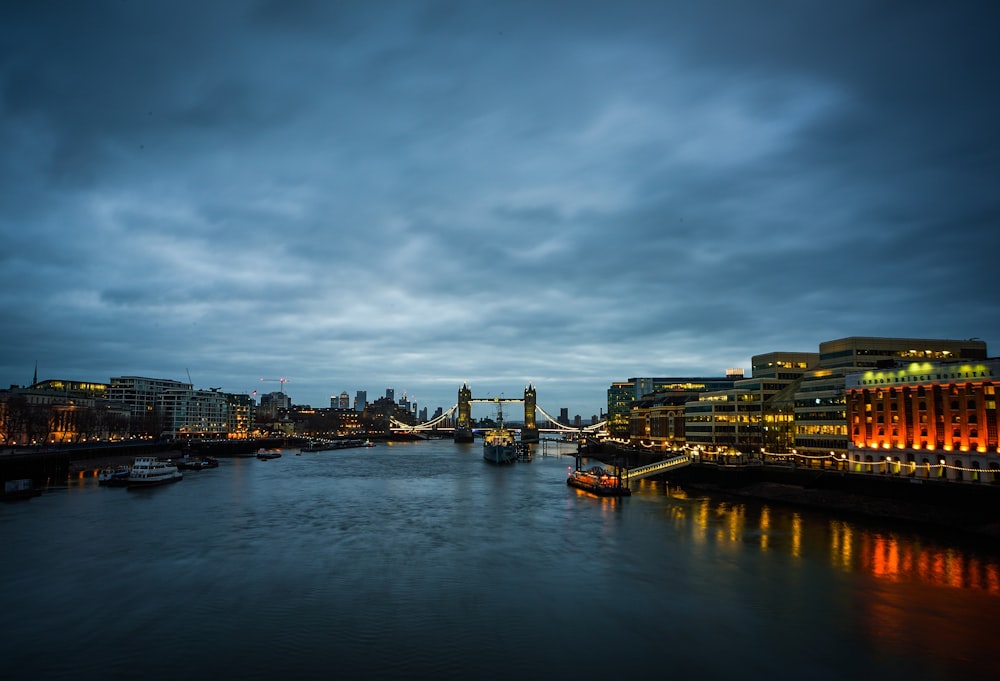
point(848, 545)
point(913, 597)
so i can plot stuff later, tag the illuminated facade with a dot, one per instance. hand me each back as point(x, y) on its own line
point(820, 401)
point(658, 421)
point(925, 419)
point(621, 395)
point(240, 416)
point(54, 411)
point(732, 418)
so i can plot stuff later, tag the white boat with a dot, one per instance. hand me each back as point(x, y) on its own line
point(148, 471)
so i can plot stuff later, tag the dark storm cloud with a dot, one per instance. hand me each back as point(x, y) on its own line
point(357, 195)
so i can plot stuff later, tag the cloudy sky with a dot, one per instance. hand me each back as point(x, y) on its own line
point(361, 195)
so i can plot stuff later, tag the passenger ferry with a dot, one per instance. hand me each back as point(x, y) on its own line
point(148, 471)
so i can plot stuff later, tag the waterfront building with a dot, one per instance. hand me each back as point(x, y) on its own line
point(54, 411)
point(925, 419)
point(754, 414)
point(657, 421)
point(820, 407)
point(140, 395)
point(189, 413)
point(622, 395)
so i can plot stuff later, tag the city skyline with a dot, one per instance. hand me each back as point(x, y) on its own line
point(422, 194)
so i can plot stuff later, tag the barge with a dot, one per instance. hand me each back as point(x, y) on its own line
point(599, 481)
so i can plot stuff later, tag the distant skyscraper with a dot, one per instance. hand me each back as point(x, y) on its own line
point(390, 394)
point(361, 401)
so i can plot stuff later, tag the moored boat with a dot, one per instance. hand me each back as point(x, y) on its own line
point(265, 454)
point(598, 481)
point(148, 471)
point(499, 445)
point(114, 476)
point(197, 463)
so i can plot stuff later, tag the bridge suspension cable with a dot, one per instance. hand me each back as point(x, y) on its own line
point(559, 426)
point(424, 426)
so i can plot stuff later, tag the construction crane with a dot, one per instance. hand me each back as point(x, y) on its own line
point(281, 382)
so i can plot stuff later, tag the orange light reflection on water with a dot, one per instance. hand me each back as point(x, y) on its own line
point(850, 546)
point(886, 556)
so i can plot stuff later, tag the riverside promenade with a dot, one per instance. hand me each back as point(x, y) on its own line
point(966, 507)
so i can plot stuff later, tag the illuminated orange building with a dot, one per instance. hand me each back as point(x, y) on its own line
point(925, 419)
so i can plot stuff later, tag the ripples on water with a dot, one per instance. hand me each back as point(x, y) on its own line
point(423, 561)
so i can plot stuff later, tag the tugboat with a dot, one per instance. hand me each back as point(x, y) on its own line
point(499, 446)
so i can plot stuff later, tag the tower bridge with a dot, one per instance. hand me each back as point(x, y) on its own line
point(462, 413)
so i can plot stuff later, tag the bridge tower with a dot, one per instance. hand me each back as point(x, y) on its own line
point(529, 433)
point(463, 427)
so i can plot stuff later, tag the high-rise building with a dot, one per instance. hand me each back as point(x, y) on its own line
point(272, 404)
point(360, 401)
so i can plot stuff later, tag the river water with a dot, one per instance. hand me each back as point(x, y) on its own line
point(422, 561)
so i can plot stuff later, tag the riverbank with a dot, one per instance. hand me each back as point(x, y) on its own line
point(971, 509)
